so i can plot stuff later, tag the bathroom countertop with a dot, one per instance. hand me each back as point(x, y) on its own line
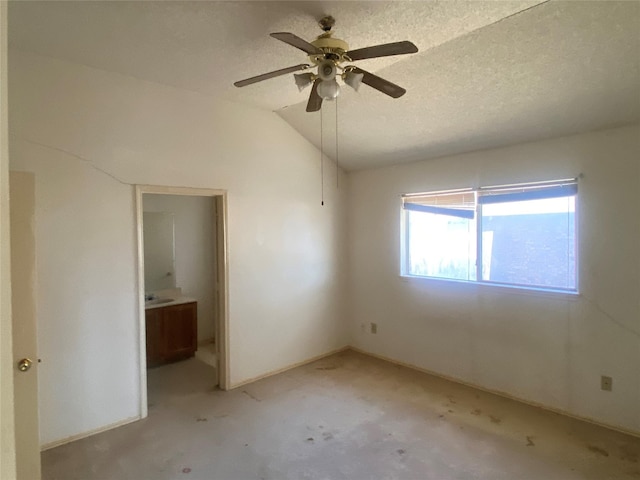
point(176, 301)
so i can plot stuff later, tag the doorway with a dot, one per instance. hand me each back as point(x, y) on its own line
point(166, 212)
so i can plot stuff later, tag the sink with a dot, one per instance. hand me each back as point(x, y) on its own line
point(158, 301)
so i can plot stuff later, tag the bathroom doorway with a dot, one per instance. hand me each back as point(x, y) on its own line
point(182, 279)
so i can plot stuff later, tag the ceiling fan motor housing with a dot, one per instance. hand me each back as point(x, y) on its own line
point(333, 48)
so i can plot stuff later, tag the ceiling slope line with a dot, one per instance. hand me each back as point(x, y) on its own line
point(475, 30)
point(429, 49)
point(514, 14)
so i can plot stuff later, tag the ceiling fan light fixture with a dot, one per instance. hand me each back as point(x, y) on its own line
point(327, 70)
point(353, 79)
point(328, 89)
point(303, 80)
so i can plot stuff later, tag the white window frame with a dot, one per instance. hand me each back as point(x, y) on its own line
point(484, 192)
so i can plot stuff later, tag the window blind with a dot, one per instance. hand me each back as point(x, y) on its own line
point(526, 192)
point(460, 204)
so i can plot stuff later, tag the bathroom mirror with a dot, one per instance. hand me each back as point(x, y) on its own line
point(159, 251)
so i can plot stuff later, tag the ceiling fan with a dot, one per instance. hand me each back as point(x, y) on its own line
point(329, 54)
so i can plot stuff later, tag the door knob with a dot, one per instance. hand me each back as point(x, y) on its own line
point(24, 364)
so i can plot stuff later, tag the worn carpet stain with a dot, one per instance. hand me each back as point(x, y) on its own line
point(251, 396)
point(530, 442)
point(495, 419)
point(598, 450)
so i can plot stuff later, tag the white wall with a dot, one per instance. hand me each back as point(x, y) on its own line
point(286, 252)
point(542, 348)
point(86, 296)
point(287, 255)
point(195, 266)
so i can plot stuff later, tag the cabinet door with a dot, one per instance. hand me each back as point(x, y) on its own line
point(154, 327)
point(180, 330)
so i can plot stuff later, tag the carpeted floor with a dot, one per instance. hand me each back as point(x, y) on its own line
point(348, 416)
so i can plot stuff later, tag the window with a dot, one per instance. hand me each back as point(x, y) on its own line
point(517, 235)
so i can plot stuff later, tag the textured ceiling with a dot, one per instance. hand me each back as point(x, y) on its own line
point(485, 76)
point(557, 69)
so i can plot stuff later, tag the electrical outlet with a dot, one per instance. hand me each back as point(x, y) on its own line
point(374, 328)
point(606, 383)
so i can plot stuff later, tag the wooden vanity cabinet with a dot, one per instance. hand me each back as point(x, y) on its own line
point(154, 327)
point(172, 333)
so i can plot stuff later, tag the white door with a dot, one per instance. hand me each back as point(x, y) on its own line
point(23, 305)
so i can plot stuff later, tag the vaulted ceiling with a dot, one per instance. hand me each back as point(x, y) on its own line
point(487, 73)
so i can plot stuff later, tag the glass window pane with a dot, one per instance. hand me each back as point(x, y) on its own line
point(441, 246)
point(530, 243)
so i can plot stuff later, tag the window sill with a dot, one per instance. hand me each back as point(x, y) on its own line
point(478, 287)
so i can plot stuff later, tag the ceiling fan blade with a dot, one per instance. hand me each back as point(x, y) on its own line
point(384, 50)
point(266, 76)
point(315, 101)
point(380, 84)
point(297, 42)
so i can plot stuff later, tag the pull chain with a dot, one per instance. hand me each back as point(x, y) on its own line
point(321, 162)
point(337, 169)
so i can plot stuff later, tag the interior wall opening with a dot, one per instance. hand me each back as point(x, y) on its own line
point(182, 255)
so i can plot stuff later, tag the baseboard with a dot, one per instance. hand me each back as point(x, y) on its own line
point(289, 367)
point(499, 393)
point(206, 341)
point(88, 433)
point(126, 421)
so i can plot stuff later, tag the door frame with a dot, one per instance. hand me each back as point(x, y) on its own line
point(222, 283)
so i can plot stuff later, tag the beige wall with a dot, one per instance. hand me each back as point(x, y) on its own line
point(89, 135)
point(549, 349)
point(195, 267)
